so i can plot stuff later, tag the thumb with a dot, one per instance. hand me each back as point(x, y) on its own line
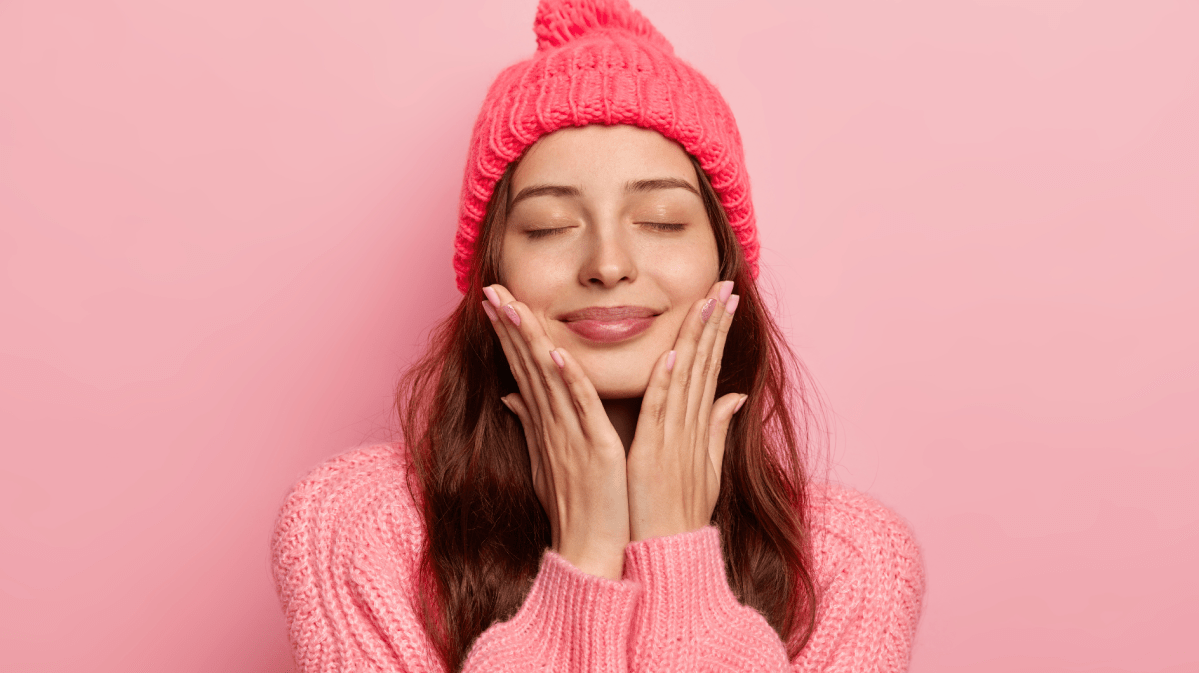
point(516, 404)
point(718, 427)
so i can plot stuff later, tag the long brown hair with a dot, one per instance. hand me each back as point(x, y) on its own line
point(470, 473)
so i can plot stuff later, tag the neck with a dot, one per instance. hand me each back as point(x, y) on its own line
point(623, 415)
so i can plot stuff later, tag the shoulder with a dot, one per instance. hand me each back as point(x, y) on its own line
point(845, 521)
point(365, 469)
point(349, 490)
point(853, 533)
point(350, 522)
point(361, 493)
point(869, 576)
point(345, 558)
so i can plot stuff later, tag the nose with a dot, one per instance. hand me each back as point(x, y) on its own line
point(608, 258)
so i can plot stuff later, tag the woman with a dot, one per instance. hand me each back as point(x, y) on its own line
point(602, 457)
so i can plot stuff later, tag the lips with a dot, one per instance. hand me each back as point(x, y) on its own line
point(609, 324)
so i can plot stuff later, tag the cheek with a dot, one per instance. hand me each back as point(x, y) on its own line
point(687, 276)
point(533, 278)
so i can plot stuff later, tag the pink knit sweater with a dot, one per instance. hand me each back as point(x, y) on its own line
point(346, 549)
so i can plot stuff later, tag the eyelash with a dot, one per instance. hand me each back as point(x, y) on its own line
point(543, 233)
point(664, 226)
point(535, 234)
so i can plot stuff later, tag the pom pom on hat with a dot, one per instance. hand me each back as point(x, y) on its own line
point(601, 62)
point(561, 21)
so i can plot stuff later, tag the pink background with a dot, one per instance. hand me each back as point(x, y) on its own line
point(225, 226)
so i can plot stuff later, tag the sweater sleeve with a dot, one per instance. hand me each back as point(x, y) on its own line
point(570, 621)
point(345, 557)
point(688, 618)
point(870, 581)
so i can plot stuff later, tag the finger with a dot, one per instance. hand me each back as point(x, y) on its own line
point(707, 360)
point(722, 333)
point(537, 350)
point(718, 429)
point(492, 308)
point(516, 363)
point(510, 353)
point(520, 330)
point(719, 324)
point(685, 347)
point(652, 419)
point(588, 406)
point(691, 370)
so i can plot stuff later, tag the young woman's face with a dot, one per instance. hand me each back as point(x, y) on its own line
point(608, 243)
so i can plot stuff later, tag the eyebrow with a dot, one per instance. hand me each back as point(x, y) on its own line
point(660, 183)
point(631, 186)
point(543, 190)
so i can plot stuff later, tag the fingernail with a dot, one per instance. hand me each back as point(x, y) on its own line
point(670, 360)
point(732, 305)
point(707, 310)
point(512, 315)
point(504, 399)
point(558, 359)
point(739, 403)
point(492, 296)
point(489, 311)
point(726, 288)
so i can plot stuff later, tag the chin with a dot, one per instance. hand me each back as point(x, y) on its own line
point(625, 393)
point(617, 378)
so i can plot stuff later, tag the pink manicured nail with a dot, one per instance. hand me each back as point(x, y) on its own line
point(489, 311)
point(558, 359)
point(726, 288)
point(706, 313)
point(512, 315)
point(739, 403)
point(492, 296)
point(670, 360)
point(732, 305)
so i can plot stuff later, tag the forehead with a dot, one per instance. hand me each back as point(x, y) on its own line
point(598, 157)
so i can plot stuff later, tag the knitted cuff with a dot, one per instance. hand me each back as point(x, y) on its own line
point(569, 621)
point(688, 618)
point(682, 577)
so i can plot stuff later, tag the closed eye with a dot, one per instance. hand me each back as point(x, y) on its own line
point(535, 234)
point(664, 226)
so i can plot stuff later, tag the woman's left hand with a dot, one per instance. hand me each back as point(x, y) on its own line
point(674, 462)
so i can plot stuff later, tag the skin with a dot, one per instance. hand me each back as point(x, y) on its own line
point(625, 438)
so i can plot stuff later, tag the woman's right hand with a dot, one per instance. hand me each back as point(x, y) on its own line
point(577, 457)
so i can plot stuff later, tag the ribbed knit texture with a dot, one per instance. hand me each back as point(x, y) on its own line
point(346, 549)
point(601, 62)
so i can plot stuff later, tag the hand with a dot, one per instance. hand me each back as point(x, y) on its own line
point(577, 457)
point(675, 459)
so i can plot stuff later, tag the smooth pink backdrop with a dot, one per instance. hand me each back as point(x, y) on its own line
point(225, 227)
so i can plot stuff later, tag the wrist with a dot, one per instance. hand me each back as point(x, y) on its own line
point(663, 515)
point(593, 540)
point(660, 526)
point(606, 561)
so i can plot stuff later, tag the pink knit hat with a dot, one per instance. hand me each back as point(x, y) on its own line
point(601, 62)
